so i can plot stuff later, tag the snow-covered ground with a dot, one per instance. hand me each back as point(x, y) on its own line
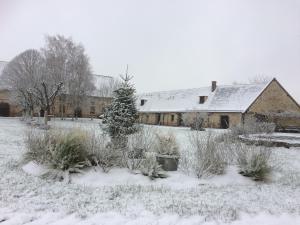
point(121, 197)
point(287, 139)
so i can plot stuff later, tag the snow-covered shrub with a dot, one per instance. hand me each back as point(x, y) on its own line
point(208, 158)
point(145, 138)
point(38, 146)
point(167, 145)
point(138, 144)
point(101, 152)
point(253, 161)
point(68, 150)
point(227, 144)
point(194, 120)
point(151, 168)
point(252, 126)
point(61, 151)
point(57, 149)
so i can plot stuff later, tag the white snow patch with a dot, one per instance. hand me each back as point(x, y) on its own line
point(231, 177)
point(145, 218)
point(175, 179)
point(118, 176)
point(34, 168)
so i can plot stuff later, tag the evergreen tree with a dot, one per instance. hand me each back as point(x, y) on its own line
point(120, 117)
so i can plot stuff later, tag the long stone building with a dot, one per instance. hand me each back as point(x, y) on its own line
point(92, 106)
point(222, 106)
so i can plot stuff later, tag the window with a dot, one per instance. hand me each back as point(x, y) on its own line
point(92, 102)
point(172, 118)
point(202, 99)
point(62, 108)
point(143, 101)
point(92, 110)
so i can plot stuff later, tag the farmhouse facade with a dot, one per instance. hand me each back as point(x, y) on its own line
point(221, 106)
point(92, 106)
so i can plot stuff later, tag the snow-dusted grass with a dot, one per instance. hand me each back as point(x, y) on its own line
point(121, 197)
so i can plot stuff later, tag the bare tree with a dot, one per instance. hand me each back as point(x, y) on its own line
point(68, 62)
point(195, 120)
point(45, 91)
point(31, 82)
point(19, 76)
point(260, 79)
point(37, 78)
point(106, 87)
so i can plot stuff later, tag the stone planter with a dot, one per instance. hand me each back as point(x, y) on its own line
point(168, 162)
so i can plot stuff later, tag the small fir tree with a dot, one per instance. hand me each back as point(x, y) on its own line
point(120, 117)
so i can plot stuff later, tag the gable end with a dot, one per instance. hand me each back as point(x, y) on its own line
point(274, 98)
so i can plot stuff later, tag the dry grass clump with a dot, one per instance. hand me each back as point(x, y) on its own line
point(70, 150)
point(151, 168)
point(254, 162)
point(57, 149)
point(204, 156)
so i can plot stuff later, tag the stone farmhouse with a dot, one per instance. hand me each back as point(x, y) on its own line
point(222, 106)
point(93, 105)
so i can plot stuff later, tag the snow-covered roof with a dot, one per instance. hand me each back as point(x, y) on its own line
point(226, 98)
point(102, 82)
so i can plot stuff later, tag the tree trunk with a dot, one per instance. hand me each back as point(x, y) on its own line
point(46, 117)
point(31, 112)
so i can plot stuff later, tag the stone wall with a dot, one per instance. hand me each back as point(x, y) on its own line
point(214, 119)
point(13, 109)
point(170, 119)
point(90, 107)
point(167, 119)
point(276, 100)
point(149, 118)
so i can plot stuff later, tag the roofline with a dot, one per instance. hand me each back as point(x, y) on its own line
point(191, 111)
point(288, 93)
point(187, 89)
point(208, 111)
point(99, 75)
point(274, 79)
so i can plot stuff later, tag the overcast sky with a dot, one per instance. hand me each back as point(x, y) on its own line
point(168, 44)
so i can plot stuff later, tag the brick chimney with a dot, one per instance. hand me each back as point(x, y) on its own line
point(213, 86)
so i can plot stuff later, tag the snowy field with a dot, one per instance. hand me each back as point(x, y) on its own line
point(121, 197)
